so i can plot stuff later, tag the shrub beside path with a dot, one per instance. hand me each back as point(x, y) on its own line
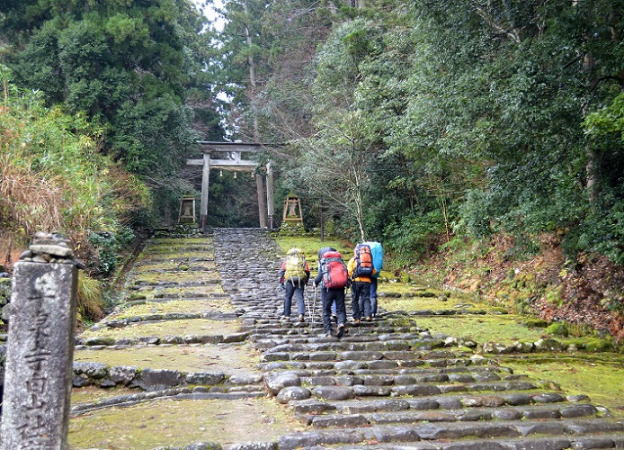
point(220, 361)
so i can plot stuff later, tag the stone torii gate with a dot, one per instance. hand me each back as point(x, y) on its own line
point(232, 161)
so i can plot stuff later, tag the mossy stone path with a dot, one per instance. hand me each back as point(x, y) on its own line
point(170, 366)
point(388, 384)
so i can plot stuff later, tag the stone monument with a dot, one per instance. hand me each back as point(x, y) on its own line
point(187, 210)
point(38, 373)
point(292, 218)
point(292, 210)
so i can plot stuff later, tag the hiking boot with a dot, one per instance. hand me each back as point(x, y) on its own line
point(301, 318)
point(340, 330)
point(356, 321)
point(368, 319)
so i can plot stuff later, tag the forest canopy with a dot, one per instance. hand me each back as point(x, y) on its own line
point(414, 120)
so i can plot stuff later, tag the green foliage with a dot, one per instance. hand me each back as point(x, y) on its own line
point(608, 120)
point(89, 298)
point(535, 323)
point(52, 178)
point(411, 119)
point(109, 247)
point(557, 329)
point(123, 66)
point(232, 200)
point(413, 235)
point(5, 291)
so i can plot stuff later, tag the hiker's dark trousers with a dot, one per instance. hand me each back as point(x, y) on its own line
point(293, 289)
point(373, 296)
point(360, 299)
point(333, 297)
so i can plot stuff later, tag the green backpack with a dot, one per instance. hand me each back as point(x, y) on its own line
point(295, 265)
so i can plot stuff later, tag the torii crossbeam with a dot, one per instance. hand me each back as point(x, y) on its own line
point(232, 161)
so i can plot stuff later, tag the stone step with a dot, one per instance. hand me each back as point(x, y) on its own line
point(102, 375)
point(444, 402)
point(431, 361)
point(197, 393)
point(461, 415)
point(382, 367)
point(211, 296)
point(120, 323)
point(588, 441)
point(145, 285)
point(416, 390)
point(305, 332)
point(98, 343)
point(347, 356)
point(452, 431)
point(390, 379)
point(281, 328)
point(336, 346)
point(261, 340)
point(149, 261)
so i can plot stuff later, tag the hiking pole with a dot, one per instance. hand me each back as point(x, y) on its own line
point(314, 305)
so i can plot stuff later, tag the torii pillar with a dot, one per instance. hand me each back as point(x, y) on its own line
point(266, 206)
point(269, 194)
point(203, 206)
point(262, 201)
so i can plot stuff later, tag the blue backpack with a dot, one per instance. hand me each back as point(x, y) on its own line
point(378, 253)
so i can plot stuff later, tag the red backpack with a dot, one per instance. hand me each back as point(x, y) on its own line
point(335, 275)
point(363, 260)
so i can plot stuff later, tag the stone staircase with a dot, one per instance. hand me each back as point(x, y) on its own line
point(199, 339)
point(389, 384)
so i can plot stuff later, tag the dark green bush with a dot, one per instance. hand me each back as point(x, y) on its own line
point(109, 247)
point(413, 235)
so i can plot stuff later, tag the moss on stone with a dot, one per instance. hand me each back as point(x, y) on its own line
point(227, 358)
point(502, 329)
point(174, 306)
point(535, 323)
point(600, 376)
point(415, 301)
point(593, 344)
point(183, 292)
point(179, 277)
point(167, 328)
point(91, 394)
point(174, 264)
point(179, 423)
point(181, 241)
point(557, 329)
point(173, 254)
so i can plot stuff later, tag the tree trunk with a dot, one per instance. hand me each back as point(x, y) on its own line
point(262, 210)
point(357, 199)
point(591, 167)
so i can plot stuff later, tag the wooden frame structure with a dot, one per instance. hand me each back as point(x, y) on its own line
point(227, 156)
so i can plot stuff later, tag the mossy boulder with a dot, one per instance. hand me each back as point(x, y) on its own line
point(549, 345)
point(557, 329)
point(597, 344)
point(536, 323)
point(5, 290)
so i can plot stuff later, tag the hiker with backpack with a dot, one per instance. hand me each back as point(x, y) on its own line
point(378, 254)
point(294, 275)
point(333, 277)
point(361, 270)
